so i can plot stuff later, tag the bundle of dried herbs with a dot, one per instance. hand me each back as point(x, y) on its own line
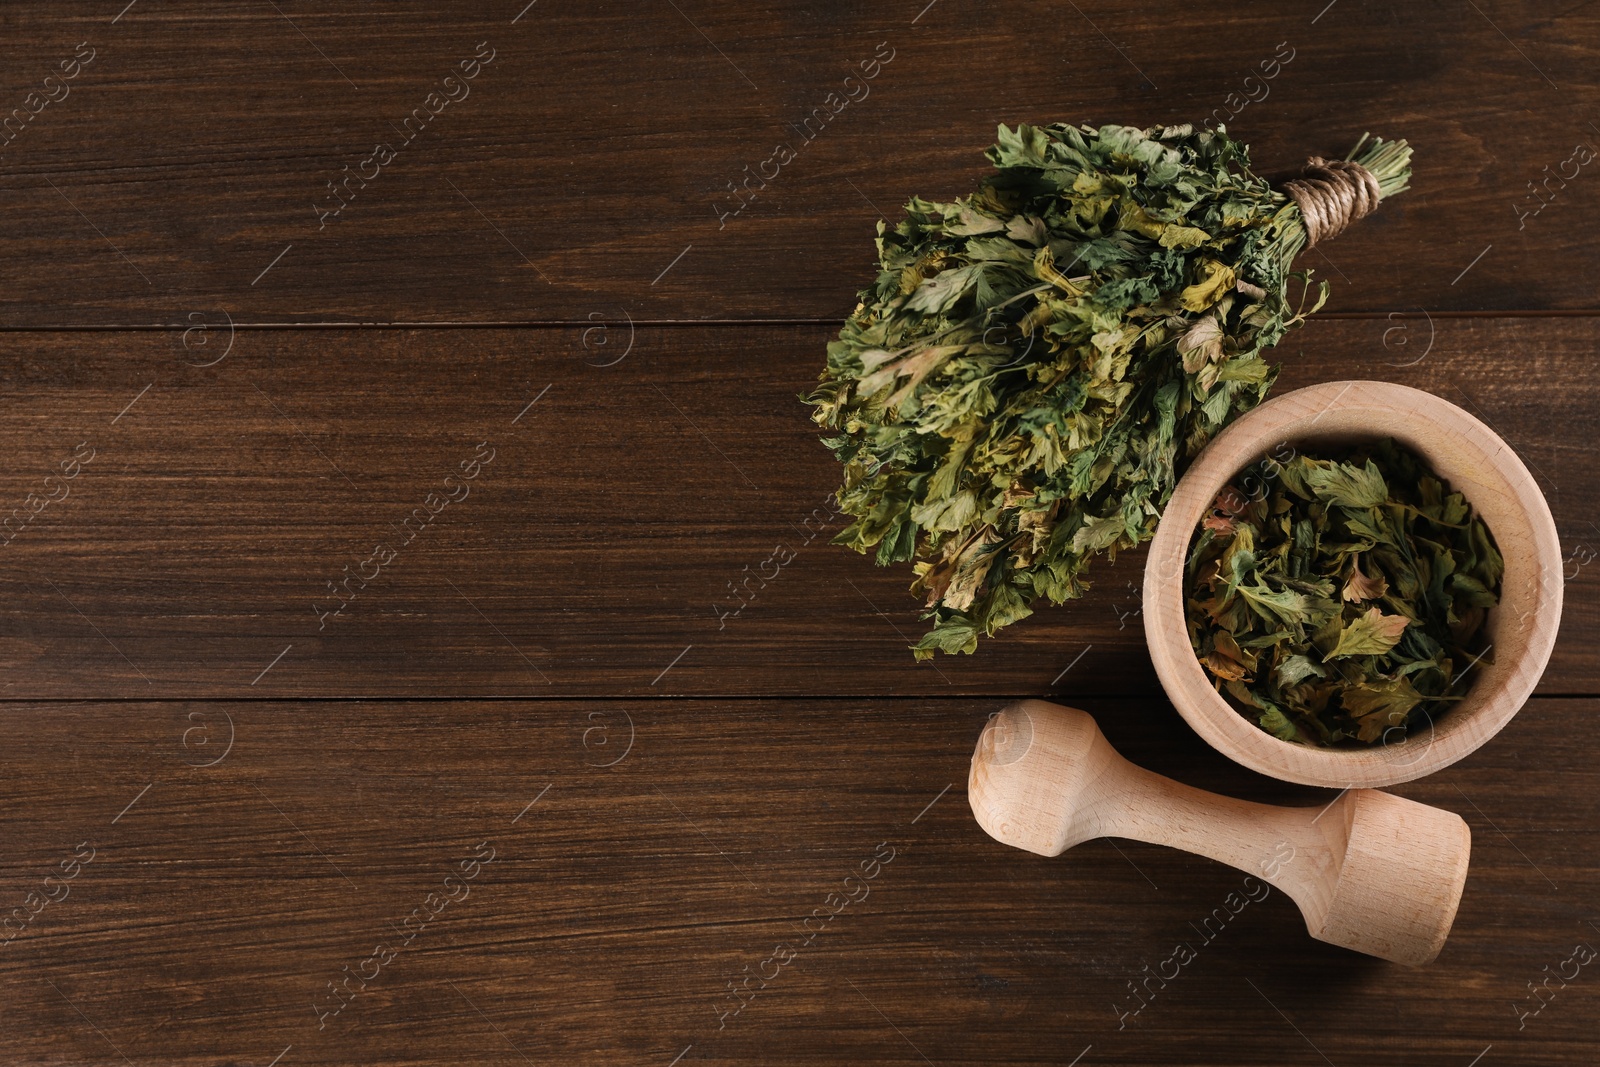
point(1019, 390)
point(1346, 599)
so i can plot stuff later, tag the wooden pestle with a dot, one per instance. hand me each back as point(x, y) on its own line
point(1371, 872)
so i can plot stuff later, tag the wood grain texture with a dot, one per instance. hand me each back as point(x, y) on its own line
point(622, 518)
point(220, 903)
point(597, 147)
point(217, 798)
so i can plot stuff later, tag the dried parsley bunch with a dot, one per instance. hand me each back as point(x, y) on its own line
point(1020, 388)
point(1346, 599)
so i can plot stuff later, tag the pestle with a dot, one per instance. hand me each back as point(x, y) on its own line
point(1371, 872)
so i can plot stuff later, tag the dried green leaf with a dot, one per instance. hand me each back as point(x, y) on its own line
point(1348, 485)
point(1372, 634)
point(1214, 281)
point(1201, 344)
point(1380, 705)
point(1296, 669)
point(1363, 586)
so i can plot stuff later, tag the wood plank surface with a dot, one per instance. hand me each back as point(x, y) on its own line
point(618, 522)
point(585, 167)
point(228, 886)
point(352, 537)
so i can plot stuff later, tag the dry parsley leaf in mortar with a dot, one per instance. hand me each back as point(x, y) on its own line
point(1346, 599)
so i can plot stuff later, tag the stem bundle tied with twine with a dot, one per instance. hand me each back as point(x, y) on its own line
point(1036, 362)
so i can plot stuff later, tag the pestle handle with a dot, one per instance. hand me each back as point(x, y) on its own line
point(1296, 850)
point(1369, 871)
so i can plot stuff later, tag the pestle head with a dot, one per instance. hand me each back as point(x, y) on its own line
point(1398, 878)
point(1028, 771)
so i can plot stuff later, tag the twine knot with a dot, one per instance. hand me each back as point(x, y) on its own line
point(1333, 194)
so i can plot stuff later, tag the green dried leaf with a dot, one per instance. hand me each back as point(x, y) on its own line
point(1296, 669)
point(1372, 634)
point(1201, 344)
point(1380, 705)
point(1275, 722)
point(1214, 281)
point(1348, 485)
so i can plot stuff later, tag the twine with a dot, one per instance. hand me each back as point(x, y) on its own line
point(1333, 194)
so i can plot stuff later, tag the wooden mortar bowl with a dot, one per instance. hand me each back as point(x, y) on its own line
point(1521, 629)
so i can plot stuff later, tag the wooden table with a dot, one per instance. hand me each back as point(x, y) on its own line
point(526, 789)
